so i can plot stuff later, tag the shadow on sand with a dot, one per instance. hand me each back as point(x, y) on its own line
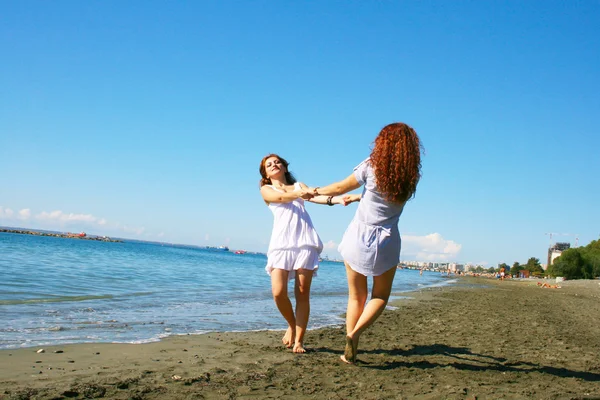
point(468, 361)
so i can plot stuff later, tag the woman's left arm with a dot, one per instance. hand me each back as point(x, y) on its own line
point(341, 187)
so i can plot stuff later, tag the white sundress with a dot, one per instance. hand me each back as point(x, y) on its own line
point(371, 243)
point(294, 243)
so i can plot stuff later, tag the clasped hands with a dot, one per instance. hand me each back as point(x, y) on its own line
point(310, 192)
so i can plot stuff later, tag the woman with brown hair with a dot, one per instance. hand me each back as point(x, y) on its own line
point(371, 243)
point(295, 245)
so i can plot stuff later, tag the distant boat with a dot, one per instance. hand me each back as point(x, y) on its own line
point(240, 252)
point(224, 248)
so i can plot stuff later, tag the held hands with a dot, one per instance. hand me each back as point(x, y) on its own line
point(350, 198)
point(312, 190)
point(306, 193)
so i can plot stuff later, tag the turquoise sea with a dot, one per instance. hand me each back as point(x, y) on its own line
point(57, 291)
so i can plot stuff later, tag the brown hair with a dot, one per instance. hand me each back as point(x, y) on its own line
point(396, 161)
point(263, 171)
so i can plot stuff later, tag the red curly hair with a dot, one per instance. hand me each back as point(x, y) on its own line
point(263, 171)
point(396, 161)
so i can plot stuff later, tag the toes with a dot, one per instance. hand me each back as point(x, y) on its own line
point(298, 348)
point(288, 338)
point(343, 358)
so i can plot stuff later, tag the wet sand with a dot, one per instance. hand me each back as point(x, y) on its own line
point(479, 339)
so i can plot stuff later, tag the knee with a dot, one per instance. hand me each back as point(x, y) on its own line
point(357, 298)
point(279, 294)
point(302, 294)
point(383, 297)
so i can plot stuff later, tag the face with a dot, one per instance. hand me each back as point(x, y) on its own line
point(274, 167)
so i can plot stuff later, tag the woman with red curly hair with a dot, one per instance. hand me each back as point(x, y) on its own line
point(371, 243)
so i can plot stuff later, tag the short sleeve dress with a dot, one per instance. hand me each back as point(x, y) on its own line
point(294, 243)
point(371, 243)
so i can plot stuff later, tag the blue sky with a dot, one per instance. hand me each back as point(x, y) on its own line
point(148, 119)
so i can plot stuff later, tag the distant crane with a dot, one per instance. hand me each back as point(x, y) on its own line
point(551, 234)
point(563, 234)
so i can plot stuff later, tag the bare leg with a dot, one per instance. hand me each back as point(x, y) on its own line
point(382, 287)
point(279, 284)
point(302, 294)
point(357, 297)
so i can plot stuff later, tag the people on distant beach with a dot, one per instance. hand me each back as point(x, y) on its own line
point(547, 285)
point(295, 245)
point(371, 244)
point(502, 273)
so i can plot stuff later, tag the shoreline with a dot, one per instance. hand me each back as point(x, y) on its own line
point(167, 334)
point(504, 340)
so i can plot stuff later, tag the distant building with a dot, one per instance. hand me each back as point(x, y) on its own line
point(454, 267)
point(556, 250)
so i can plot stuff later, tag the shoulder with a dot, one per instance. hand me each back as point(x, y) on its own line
point(366, 163)
point(266, 189)
point(362, 170)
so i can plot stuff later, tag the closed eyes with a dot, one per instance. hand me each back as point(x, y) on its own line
point(276, 162)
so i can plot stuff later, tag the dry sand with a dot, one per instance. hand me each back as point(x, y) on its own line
point(480, 339)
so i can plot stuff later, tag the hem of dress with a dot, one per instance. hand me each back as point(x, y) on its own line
point(349, 263)
point(318, 249)
point(292, 273)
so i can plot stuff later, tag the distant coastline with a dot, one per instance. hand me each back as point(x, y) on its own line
point(81, 236)
point(39, 232)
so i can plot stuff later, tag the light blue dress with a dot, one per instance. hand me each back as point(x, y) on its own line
point(371, 243)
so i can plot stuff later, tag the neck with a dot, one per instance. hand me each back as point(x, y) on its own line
point(278, 182)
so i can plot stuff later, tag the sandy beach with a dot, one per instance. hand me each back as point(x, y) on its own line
point(479, 339)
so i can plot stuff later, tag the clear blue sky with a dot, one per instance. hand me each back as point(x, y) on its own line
point(148, 119)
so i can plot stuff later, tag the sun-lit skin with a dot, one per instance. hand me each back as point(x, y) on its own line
point(278, 185)
point(396, 163)
point(274, 167)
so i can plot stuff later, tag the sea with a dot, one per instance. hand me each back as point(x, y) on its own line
point(56, 291)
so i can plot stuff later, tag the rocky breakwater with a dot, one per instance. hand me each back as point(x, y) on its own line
point(82, 235)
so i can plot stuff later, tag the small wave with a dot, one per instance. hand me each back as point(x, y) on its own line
point(142, 341)
point(329, 294)
point(420, 286)
point(60, 299)
point(57, 328)
point(63, 299)
point(443, 283)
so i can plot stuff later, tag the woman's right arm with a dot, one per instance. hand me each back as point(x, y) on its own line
point(341, 187)
point(273, 196)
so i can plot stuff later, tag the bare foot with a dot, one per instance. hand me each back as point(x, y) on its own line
point(299, 348)
point(349, 356)
point(288, 338)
